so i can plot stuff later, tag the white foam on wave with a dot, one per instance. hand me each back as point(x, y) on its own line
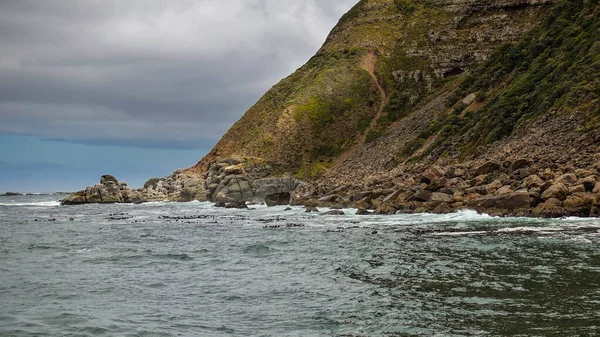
point(33, 204)
point(530, 229)
point(459, 233)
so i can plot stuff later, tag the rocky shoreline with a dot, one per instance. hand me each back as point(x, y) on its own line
point(511, 188)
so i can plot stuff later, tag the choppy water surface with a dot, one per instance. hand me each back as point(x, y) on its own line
point(168, 269)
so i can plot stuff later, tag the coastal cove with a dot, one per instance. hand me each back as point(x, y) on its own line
point(190, 269)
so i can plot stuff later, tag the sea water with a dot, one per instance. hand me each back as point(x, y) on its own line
point(190, 269)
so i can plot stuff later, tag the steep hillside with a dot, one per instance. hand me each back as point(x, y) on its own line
point(544, 84)
point(377, 66)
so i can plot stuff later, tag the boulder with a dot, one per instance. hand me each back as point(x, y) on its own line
point(504, 190)
point(443, 208)
point(588, 182)
point(107, 178)
point(439, 197)
point(488, 167)
point(551, 208)
point(77, 198)
point(278, 199)
point(493, 186)
point(362, 211)
point(505, 202)
point(576, 189)
point(579, 204)
point(533, 181)
point(519, 164)
point(363, 204)
point(421, 196)
point(237, 204)
point(311, 209)
point(385, 209)
point(334, 212)
point(557, 191)
point(566, 179)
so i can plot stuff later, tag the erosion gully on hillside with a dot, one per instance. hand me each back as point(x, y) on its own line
point(367, 63)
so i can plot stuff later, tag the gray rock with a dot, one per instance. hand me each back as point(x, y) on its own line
point(278, 199)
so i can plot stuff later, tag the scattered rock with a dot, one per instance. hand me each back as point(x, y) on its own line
point(237, 204)
point(334, 212)
point(362, 211)
point(311, 209)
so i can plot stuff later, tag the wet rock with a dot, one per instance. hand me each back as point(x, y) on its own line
point(385, 209)
point(311, 209)
point(334, 212)
point(237, 204)
point(363, 204)
point(443, 208)
point(362, 211)
point(278, 199)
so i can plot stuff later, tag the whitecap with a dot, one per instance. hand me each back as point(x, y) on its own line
point(35, 204)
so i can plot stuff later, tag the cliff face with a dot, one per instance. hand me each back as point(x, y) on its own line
point(378, 64)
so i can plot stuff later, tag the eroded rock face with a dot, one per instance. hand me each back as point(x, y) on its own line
point(109, 191)
point(177, 187)
point(229, 181)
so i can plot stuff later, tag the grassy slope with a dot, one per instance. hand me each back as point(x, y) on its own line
point(553, 68)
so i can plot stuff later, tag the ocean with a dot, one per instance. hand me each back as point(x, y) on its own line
point(190, 269)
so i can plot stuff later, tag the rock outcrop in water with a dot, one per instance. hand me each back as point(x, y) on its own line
point(179, 186)
point(231, 180)
point(108, 191)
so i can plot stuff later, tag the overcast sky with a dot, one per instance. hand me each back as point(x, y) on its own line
point(138, 88)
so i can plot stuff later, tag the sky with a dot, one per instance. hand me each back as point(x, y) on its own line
point(138, 88)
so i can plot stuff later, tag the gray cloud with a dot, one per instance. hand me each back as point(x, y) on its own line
point(148, 72)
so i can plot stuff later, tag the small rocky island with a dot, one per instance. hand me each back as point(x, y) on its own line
point(227, 182)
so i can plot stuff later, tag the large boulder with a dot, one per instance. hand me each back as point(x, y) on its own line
point(579, 204)
point(551, 208)
point(278, 199)
point(76, 198)
point(505, 202)
point(108, 178)
point(488, 167)
point(557, 191)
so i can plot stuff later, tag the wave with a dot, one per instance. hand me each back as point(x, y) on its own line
point(34, 204)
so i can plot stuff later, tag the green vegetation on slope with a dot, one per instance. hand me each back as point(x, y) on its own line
point(554, 68)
